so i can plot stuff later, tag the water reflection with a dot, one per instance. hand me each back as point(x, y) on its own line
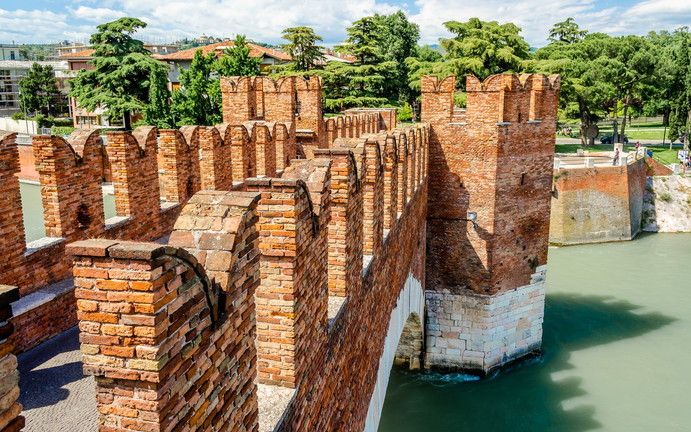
point(589, 340)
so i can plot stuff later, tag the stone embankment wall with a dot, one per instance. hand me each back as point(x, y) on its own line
point(667, 204)
point(600, 204)
point(493, 160)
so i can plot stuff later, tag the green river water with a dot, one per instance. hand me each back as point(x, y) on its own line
point(617, 353)
point(32, 209)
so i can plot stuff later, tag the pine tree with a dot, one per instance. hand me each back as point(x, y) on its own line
point(362, 82)
point(302, 47)
point(119, 79)
point(236, 60)
point(198, 102)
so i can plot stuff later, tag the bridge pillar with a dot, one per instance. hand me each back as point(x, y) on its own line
point(490, 179)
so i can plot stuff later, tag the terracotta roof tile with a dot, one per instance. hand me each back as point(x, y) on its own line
point(255, 51)
point(79, 54)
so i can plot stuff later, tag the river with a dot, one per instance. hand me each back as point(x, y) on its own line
point(32, 209)
point(617, 353)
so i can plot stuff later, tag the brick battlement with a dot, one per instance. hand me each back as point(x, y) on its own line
point(284, 242)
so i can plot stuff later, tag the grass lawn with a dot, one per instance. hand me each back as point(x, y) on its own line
point(661, 154)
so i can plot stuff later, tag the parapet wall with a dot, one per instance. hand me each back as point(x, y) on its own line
point(298, 100)
point(598, 204)
point(291, 249)
point(154, 172)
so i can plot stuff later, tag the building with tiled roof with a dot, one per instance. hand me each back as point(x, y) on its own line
point(180, 60)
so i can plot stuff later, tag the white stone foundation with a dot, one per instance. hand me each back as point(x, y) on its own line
point(477, 332)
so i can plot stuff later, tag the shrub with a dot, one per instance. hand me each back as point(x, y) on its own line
point(61, 130)
point(405, 113)
point(18, 116)
point(666, 197)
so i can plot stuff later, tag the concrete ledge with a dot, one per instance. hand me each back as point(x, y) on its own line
point(42, 243)
point(42, 296)
point(116, 222)
point(273, 405)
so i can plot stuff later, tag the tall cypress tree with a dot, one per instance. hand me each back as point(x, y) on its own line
point(157, 113)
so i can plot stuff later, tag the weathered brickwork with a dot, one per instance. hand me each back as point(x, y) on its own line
point(494, 160)
point(282, 273)
point(169, 337)
point(146, 166)
point(599, 204)
point(10, 408)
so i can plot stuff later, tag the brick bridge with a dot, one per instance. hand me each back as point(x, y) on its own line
point(266, 273)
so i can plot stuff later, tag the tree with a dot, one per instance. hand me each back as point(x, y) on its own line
point(566, 31)
point(583, 95)
point(198, 102)
point(119, 79)
point(484, 48)
point(236, 60)
point(38, 90)
point(362, 82)
point(399, 38)
point(627, 65)
point(302, 47)
point(680, 88)
point(158, 111)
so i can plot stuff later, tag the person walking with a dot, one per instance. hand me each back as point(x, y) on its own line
point(615, 160)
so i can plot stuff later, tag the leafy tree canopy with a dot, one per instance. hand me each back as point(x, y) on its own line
point(303, 47)
point(119, 79)
point(38, 90)
point(566, 31)
point(198, 102)
point(484, 48)
point(236, 60)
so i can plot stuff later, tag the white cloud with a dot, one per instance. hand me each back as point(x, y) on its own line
point(96, 15)
point(264, 19)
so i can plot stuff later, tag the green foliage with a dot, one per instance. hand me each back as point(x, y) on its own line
point(18, 116)
point(405, 113)
point(303, 47)
point(119, 80)
point(35, 52)
point(680, 85)
point(158, 111)
point(484, 48)
point(399, 42)
point(38, 90)
point(566, 31)
point(61, 130)
point(236, 60)
point(198, 102)
point(363, 82)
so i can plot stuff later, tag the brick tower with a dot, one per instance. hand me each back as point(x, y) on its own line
point(490, 177)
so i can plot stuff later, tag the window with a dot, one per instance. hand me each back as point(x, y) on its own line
point(12, 55)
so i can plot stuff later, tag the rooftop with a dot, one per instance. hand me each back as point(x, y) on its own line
point(219, 47)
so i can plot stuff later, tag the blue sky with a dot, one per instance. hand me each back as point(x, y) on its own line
point(54, 20)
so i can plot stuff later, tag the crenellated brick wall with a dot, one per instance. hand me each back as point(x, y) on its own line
point(283, 274)
point(494, 160)
point(169, 334)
